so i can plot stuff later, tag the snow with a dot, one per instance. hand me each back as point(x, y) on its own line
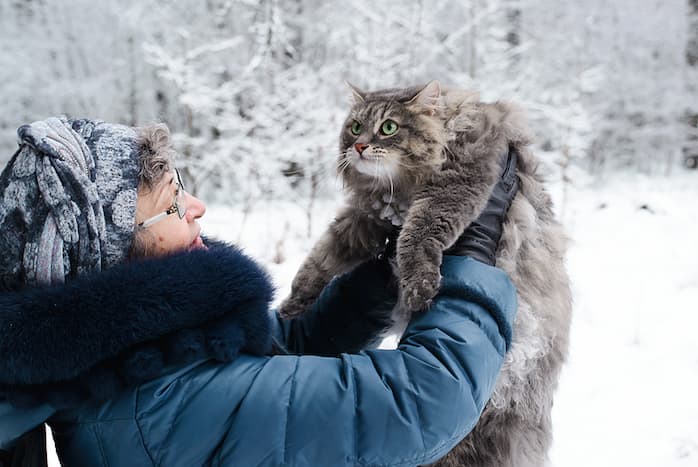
point(628, 393)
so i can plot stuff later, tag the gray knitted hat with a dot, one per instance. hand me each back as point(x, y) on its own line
point(67, 200)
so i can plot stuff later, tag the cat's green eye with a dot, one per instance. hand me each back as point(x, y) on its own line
point(355, 128)
point(389, 127)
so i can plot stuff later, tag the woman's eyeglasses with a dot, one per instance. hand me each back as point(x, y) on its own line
point(178, 205)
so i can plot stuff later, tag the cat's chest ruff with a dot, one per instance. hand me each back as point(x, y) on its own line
point(389, 208)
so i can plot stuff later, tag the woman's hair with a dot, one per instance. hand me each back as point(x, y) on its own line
point(156, 159)
point(156, 154)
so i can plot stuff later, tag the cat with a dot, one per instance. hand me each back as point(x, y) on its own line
point(424, 160)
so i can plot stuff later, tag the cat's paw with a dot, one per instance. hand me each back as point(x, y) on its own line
point(417, 291)
point(294, 305)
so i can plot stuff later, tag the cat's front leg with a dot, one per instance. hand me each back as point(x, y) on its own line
point(434, 221)
point(419, 251)
point(309, 281)
point(350, 239)
point(418, 265)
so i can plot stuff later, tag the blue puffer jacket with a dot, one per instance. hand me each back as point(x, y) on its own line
point(408, 406)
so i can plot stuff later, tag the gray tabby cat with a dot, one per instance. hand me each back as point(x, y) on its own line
point(425, 160)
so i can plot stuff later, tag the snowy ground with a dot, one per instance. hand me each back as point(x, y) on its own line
point(628, 396)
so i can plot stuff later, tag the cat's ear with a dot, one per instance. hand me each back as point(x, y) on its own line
point(428, 98)
point(357, 94)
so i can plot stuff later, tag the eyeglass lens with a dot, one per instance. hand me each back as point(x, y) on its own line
point(180, 203)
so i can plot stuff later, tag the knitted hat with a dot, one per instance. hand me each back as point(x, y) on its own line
point(67, 200)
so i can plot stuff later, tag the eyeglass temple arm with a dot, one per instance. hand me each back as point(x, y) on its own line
point(153, 220)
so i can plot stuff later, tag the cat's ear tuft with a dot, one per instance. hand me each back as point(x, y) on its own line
point(357, 94)
point(428, 98)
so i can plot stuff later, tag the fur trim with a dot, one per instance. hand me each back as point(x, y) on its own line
point(102, 331)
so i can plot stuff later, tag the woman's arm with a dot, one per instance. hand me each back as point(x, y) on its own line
point(398, 407)
point(16, 421)
point(350, 314)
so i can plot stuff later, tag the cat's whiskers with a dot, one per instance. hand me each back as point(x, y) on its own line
point(324, 174)
point(328, 172)
point(340, 174)
point(321, 172)
point(342, 167)
point(343, 164)
point(376, 180)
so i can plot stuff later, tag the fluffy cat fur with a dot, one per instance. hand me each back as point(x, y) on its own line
point(430, 179)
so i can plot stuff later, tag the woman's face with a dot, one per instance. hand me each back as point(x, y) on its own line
point(171, 233)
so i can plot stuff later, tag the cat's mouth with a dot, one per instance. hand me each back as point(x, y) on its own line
point(367, 161)
point(369, 157)
point(366, 155)
point(374, 166)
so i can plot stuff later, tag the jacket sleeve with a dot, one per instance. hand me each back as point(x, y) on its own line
point(400, 407)
point(349, 315)
point(14, 422)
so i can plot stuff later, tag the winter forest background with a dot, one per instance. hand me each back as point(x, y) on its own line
point(253, 92)
point(254, 89)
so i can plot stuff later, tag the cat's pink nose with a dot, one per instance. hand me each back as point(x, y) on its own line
point(360, 147)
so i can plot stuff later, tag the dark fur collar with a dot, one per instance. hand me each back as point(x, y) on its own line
point(104, 331)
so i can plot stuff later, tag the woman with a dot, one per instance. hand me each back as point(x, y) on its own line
point(141, 344)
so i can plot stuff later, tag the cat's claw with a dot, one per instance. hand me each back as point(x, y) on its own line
point(417, 295)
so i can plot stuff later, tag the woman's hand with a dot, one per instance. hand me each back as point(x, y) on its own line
point(481, 237)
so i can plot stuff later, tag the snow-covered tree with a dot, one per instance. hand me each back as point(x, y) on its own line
point(253, 89)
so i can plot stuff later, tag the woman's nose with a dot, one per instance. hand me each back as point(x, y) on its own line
point(195, 207)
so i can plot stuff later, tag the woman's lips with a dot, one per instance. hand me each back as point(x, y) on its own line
point(197, 243)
